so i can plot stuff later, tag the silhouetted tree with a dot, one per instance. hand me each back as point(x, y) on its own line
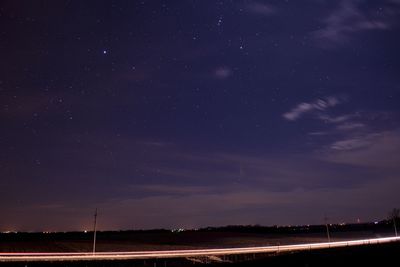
point(394, 215)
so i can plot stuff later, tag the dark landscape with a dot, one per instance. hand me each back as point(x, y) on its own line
point(213, 237)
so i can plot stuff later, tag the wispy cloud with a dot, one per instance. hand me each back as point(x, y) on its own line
point(354, 143)
point(320, 133)
point(194, 188)
point(337, 119)
point(361, 139)
point(350, 126)
point(317, 105)
point(378, 149)
point(356, 130)
point(345, 21)
point(251, 206)
point(343, 125)
point(261, 8)
point(166, 189)
point(222, 72)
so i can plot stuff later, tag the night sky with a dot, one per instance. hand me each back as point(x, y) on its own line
point(182, 114)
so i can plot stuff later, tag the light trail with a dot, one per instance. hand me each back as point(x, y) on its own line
point(78, 256)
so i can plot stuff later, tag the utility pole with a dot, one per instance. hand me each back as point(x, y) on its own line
point(394, 215)
point(94, 232)
point(327, 229)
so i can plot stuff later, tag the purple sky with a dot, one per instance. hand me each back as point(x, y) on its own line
point(181, 114)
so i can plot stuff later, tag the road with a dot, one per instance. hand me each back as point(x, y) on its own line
point(8, 257)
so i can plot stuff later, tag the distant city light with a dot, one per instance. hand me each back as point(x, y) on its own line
point(177, 230)
point(10, 232)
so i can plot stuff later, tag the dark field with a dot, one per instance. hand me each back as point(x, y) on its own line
point(236, 236)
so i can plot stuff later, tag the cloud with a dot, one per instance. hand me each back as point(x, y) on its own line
point(222, 72)
point(254, 206)
point(350, 126)
point(240, 206)
point(355, 131)
point(338, 119)
point(171, 186)
point(154, 143)
point(165, 189)
point(261, 8)
point(320, 133)
point(23, 105)
point(381, 150)
point(318, 105)
point(347, 127)
point(354, 143)
point(347, 20)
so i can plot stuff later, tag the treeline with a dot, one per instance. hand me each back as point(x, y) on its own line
point(373, 226)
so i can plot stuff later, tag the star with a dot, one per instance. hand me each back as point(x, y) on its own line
point(219, 21)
